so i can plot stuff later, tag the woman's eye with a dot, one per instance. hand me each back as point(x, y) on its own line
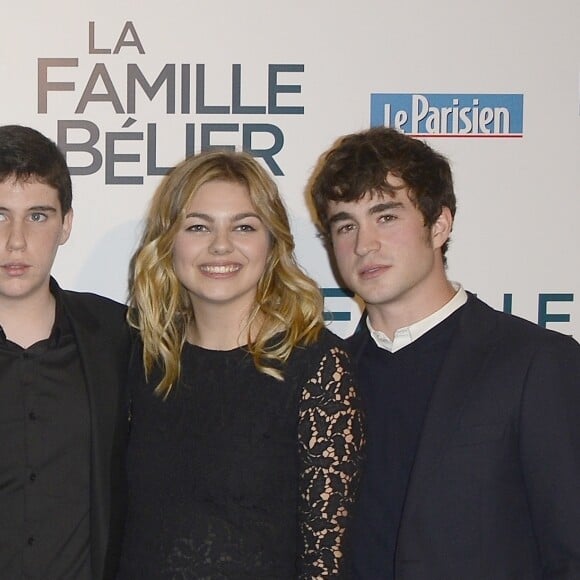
point(245, 228)
point(196, 228)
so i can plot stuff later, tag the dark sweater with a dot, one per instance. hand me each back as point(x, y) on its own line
point(395, 388)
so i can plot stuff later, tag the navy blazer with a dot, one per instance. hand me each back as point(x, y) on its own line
point(494, 493)
point(103, 342)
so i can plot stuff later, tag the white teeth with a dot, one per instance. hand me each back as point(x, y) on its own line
point(220, 269)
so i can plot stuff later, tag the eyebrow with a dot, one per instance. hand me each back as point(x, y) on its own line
point(339, 217)
point(377, 208)
point(235, 218)
point(385, 206)
point(46, 208)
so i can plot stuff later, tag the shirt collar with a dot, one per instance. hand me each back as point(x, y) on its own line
point(61, 325)
point(406, 335)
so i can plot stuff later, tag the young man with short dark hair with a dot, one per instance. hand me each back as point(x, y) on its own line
point(63, 360)
point(473, 416)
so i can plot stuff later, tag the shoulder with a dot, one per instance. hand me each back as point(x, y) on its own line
point(96, 315)
point(517, 347)
point(512, 331)
point(93, 302)
point(307, 360)
point(326, 361)
point(326, 343)
point(327, 339)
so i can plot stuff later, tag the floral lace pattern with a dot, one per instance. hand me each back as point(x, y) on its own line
point(330, 437)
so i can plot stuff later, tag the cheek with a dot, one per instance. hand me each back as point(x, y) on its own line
point(182, 262)
point(177, 256)
point(257, 249)
point(262, 261)
point(412, 239)
point(183, 249)
point(47, 242)
point(342, 248)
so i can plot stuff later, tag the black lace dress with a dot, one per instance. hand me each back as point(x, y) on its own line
point(237, 475)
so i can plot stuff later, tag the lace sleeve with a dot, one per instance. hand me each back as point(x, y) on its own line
point(331, 441)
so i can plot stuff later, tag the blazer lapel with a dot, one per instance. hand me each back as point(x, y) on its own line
point(89, 343)
point(467, 356)
point(356, 343)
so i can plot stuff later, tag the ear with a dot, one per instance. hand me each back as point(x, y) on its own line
point(66, 227)
point(441, 229)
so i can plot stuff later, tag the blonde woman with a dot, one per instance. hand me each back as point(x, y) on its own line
point(246, 431)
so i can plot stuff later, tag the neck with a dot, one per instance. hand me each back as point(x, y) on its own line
point(25, 322)
point(218, 328)
point(388, 318)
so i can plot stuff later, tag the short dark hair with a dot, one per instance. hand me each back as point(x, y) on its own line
point(359, 163)
point(26, 154)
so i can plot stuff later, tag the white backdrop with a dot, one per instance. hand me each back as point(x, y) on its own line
point(127, 88)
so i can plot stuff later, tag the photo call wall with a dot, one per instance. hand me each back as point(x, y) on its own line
point(129, 89)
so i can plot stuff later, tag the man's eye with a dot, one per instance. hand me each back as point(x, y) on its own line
point(37, 217)
point(389, 217)
point(345, 228)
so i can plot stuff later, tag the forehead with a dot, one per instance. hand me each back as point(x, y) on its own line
point(220, 196)
point(30, 193)
point(396, 190)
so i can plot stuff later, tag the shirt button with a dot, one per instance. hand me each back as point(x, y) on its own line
point(32, 477)
point(30, 541)
point(32, 416)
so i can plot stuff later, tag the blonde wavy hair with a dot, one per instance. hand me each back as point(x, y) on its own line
point(288, 303)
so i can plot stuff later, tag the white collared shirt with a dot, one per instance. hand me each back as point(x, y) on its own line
point(406, 335)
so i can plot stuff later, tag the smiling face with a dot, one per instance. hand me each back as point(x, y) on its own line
point(387, 255)
point(221, 249)
point(31, 230)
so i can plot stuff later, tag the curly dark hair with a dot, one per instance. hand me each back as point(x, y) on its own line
point(360, 162)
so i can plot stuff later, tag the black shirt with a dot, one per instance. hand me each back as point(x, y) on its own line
point(44, 457)
point(225, 479)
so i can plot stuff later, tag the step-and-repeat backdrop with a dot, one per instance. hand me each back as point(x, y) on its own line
point(128, 89)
